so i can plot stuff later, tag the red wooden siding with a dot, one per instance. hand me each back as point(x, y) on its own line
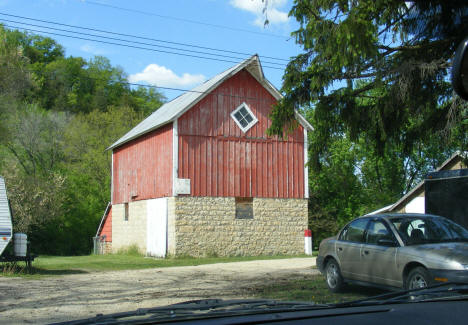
point(221, 160)
point(107, 226)
point(142, 168)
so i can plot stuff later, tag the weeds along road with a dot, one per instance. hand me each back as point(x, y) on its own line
point(68, 297)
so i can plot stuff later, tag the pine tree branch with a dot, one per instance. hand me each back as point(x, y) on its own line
point(416, 47)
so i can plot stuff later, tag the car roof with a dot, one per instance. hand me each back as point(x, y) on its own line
point(400, 215)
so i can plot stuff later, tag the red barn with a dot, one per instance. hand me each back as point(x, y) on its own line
point(200, 176)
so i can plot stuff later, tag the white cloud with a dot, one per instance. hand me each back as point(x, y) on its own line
point(88, 48)
point(274, 14)
point(161, 76)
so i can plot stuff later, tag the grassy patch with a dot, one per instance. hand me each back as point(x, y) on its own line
point(312, 288)
point(132, 250)
point(58, 265)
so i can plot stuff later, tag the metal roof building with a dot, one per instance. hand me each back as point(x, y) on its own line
point(6, 227)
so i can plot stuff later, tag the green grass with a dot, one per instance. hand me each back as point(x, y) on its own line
point(311, 288)
point(59, 265)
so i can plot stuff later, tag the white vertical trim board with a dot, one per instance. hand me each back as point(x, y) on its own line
point(306, 168)
point(175, 156)
point(112, 177)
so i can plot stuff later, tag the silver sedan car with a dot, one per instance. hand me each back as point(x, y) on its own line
point(395, 251)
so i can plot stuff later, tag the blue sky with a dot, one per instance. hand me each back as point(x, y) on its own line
point(234, 25)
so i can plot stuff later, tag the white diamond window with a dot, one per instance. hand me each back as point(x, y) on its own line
point(244, 117)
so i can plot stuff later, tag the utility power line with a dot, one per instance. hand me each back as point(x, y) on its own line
point(129, 46)
point(158, 87)
point(134, 42)
point(183, 19)
point(139, 37)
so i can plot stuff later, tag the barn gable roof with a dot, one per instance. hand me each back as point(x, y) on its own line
point(175, 108)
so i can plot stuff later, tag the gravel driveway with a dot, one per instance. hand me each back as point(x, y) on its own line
point(68, 297)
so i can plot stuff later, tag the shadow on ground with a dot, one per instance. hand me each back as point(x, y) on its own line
point(57, 272)
point(15, 269)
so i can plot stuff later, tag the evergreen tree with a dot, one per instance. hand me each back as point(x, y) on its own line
point(377, 69)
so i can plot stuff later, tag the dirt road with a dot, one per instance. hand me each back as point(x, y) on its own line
point(68, 297)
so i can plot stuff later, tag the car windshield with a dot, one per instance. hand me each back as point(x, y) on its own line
point(415, 230)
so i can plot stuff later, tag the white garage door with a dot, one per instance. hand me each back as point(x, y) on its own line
point(156, 232)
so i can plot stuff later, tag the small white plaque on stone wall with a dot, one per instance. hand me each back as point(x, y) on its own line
point(182, 186)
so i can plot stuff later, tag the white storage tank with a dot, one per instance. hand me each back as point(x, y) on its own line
point(20, 244)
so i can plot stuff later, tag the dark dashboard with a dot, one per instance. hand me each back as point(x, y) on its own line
point(437, 313)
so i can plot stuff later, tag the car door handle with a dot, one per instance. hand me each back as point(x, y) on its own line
point(366, 253)
point(340, 249)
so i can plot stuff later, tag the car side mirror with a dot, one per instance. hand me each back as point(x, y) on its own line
point(387, 242)
point(460, 70)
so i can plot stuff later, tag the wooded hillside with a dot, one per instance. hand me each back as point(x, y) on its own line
point(58, 115)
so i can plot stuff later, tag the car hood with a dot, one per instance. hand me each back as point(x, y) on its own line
point(440, 252)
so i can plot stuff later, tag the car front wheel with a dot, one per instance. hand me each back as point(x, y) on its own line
point(333, 276)
point(418, 278)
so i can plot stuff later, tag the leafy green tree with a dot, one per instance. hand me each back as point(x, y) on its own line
point(63, 85)
point(394, 54)
point(36, 202)
point(37, 139)
point(33, 154)
point(146, 100)
point(336, 193)
point(59, 114)
point(75, 85)
point(14, 77)
point(38, 49)
point(15, 80)
point(109, 84)
point(352, 179)
point(88, 169)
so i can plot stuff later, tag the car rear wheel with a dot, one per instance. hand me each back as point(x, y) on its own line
point(333, 276)
point(418, 278)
